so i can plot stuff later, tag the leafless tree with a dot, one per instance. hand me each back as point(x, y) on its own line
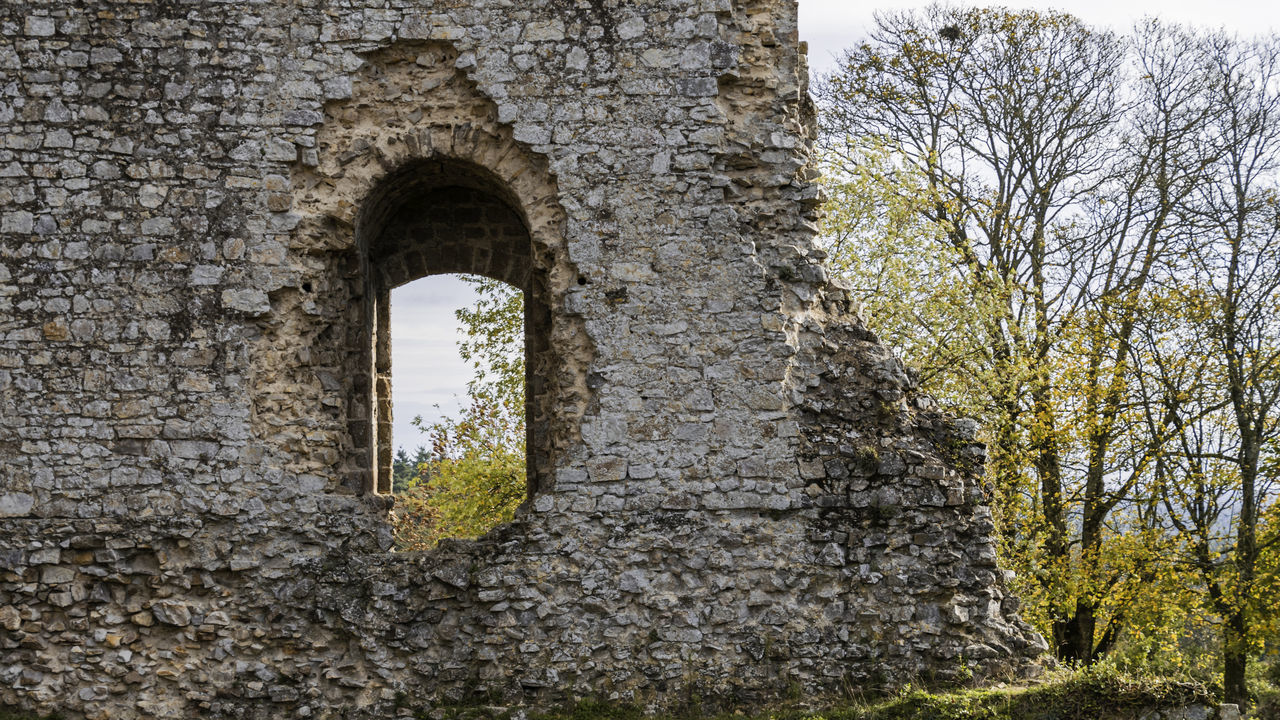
point(1228, 396)
point(1058, 158)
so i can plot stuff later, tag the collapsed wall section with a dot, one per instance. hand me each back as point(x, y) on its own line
point(743, 496)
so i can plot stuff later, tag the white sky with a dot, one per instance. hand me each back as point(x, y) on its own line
point(831, 25)
point(426, 369)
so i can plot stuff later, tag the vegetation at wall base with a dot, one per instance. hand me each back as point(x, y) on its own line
point(1097, 693)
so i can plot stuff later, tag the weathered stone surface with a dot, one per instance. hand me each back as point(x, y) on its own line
point(10, 619)
point(734, 490)
point(16, 504)
point(171, 612)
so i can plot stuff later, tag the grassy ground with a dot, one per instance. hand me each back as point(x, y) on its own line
point(1086, 695)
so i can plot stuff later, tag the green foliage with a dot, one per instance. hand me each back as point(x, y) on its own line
point(474, 482)
point(494, 341)
point(1265, 683)
point(473, 477)
point(883, 242)
point(406, 468)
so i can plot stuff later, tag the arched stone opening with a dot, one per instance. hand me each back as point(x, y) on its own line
point(432, 217)
point(414, 127)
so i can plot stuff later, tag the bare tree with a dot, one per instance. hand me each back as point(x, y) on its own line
point(1228, 293)
point(1056, 160)
point(1163, 158)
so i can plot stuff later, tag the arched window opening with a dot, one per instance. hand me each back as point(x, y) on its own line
point(443, 217)
point(458, 410)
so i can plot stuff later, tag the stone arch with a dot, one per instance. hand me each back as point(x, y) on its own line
point(442, 216)
point(417, 133)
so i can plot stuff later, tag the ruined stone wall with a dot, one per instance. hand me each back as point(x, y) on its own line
point(738, 493)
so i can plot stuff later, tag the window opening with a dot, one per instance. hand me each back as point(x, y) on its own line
point(430, 375)
point(435, 218)
point(458, 407)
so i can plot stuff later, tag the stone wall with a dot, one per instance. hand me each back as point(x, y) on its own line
point(736, 491)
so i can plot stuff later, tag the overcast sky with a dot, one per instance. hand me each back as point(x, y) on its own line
point(426, 369)
point(830, 25)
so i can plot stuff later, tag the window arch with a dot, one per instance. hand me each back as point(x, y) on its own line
point(434, 217)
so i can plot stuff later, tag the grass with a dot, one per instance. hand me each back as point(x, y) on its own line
point(1081, 696)
point(1091, 694)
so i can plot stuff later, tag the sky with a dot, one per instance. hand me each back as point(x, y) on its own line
point(428, 377)
point(831, 25)
point(426, 370)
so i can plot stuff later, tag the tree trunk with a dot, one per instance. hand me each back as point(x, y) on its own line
point(1084, 622)
point(1074, 634)
point(1048, 466)
point(1235, 655)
